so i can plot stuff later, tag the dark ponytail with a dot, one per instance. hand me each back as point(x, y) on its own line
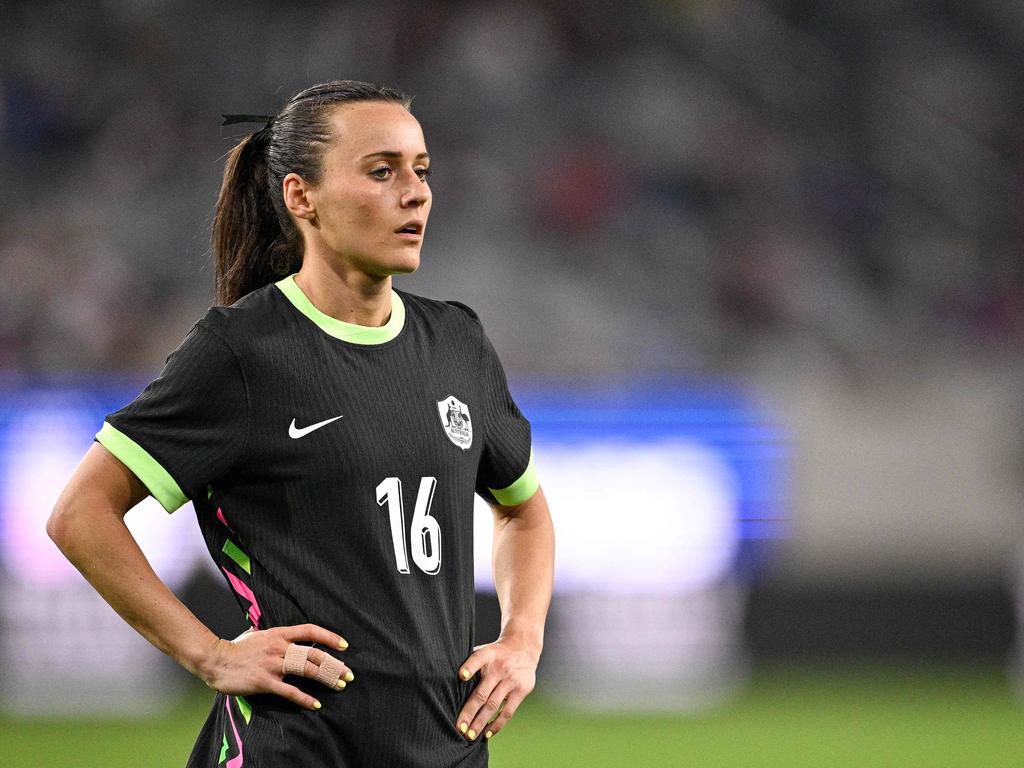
point(255, 241)
point(250, 249)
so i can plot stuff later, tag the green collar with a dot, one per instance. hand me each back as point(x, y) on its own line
point(339, 329)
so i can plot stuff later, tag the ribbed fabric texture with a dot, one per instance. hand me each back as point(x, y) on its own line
point(499, 467)
point(194, 415)
point(320, 516)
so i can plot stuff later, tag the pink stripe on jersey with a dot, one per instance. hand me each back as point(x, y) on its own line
point(236, 761)
point(242, 589)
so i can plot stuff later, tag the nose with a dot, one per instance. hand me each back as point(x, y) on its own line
point(415, 193)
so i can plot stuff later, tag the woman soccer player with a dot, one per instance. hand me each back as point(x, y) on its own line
point(331, 432)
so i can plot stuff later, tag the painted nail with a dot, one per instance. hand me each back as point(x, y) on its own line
point(316, 705)
point(343, 645)
point(349, 677)
point(341, 684)
point(488, 735)
point(471, 734)
point(465, 674)
point(463, 727)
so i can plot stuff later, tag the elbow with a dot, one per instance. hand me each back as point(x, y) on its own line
point(64, 521)
point(58, 524)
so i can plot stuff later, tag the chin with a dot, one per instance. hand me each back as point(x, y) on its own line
point(405, 265)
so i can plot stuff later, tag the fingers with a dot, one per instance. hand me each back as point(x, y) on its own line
point(330, 671)
point(258, 660)
point(294, 695)
point(316, 664)
point(294, 662)
point(475, 704)
point(473, 664)
point(326, 669)
point(490, 709)
point(507, 675)
point(515, 698)
point(311, 633)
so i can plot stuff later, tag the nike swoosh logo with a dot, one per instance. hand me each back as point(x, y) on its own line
point(295, 433)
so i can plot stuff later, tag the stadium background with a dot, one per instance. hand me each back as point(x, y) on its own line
point(799, 221)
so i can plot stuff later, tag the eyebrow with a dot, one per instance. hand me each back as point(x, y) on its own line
point(390, 153)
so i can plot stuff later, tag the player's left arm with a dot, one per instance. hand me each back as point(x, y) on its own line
point(524, 562)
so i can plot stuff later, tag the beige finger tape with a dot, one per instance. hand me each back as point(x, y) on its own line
point(295, 659)
point(330, 670)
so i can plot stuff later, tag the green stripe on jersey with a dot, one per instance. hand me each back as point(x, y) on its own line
point(339, 329)
point(521, 489)
point(244, 707)
point(146, 468)
point(231, 550)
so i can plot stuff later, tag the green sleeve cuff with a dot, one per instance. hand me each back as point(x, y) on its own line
point(146, 468)
point(521, 489)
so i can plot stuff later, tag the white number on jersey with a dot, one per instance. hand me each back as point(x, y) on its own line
point(425, 532)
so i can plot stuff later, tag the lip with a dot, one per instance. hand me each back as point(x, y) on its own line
point(416, 224)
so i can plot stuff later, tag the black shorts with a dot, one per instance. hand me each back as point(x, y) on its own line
point(373, 722)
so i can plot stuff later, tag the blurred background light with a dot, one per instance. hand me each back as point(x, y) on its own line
point(656, 206)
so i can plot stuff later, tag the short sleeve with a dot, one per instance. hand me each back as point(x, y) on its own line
point(185, 430)
point(506, 474)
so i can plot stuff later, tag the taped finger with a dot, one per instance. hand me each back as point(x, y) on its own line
point(295, 659)
point(330, 671)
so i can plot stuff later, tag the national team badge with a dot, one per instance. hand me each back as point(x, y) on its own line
point(455, 419)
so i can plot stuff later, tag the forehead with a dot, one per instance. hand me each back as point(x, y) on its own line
point(374, 126)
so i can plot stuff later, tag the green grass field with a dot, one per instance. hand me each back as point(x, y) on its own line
point(788, 717)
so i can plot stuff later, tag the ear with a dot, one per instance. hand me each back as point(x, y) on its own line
point(298, 197)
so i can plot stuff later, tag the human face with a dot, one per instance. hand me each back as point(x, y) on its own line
point(374, 184)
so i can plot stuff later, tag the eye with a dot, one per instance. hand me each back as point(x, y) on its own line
point(381, 173)
point(423, 173)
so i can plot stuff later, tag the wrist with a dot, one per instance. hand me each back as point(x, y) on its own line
point(529, 637)
point(203, 661)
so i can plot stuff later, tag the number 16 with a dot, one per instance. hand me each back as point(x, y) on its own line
point(425, 531)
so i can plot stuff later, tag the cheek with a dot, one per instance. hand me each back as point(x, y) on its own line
point(351, 208)
point(367, 220)
point(367, 212)
point(370, 210)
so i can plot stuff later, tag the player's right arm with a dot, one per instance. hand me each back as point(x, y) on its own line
point(87, 524)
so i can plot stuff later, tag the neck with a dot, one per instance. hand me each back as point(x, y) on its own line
point(346, 295)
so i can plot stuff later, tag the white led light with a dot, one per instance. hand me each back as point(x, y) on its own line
point(651, 517)
point(45, 445)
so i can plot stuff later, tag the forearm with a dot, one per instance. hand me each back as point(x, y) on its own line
point(524, 561)
point(100, 546)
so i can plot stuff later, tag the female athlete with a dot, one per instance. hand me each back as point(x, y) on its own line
point(330, 431)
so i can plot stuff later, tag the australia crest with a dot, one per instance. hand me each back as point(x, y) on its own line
point(455, 420)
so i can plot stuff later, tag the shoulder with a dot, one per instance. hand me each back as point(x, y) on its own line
point(434, 311)
point(251, 316)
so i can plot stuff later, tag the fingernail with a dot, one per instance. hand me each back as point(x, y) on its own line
point(343, 645)
point(341, 684)
point(316, 705)
point(463, 727)
point(465, 674)
point(349, 677)
point(488, 735)
point(471, 734)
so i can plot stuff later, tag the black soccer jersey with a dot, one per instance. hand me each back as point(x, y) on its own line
point(332, 468)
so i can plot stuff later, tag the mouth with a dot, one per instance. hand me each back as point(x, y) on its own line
point(411, 230)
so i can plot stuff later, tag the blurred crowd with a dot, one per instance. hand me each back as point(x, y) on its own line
point(619, 188)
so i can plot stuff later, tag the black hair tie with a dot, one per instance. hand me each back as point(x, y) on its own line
point(232, 119)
